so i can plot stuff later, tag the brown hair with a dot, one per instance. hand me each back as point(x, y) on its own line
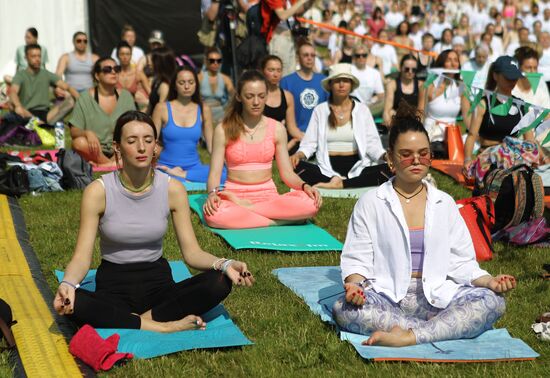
point(125, 29)
point(232, 122)
point(406, 118)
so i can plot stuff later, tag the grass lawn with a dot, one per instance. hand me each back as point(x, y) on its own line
point(289, 339)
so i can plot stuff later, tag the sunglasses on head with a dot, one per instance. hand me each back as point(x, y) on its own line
point(409, 69)
point(84, 40)
point(109, 69)
point(212, 61)
point(360, 55)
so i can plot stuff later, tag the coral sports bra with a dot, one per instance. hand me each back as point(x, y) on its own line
point(244, 156)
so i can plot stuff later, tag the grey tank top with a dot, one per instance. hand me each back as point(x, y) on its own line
point(133, 226)
point(79, 73)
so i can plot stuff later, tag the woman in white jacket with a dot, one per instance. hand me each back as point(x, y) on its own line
point(408, 263)
point(343, 137)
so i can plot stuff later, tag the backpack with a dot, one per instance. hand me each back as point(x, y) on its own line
point(518, 195)
point(479, 215)
point(14, 181)
point(77, 172)
point(18, 135)
point(254, 19)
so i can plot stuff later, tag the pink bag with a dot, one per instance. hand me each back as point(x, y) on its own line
point(530, 232)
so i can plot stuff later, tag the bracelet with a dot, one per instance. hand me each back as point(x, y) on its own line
point(303, 185)
point(217, 189)
point(70, 284)
point(216, 265)
point(226, 265)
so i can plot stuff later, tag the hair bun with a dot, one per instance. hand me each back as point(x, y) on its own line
point(406, 113)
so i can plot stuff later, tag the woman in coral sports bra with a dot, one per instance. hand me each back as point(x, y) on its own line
point(247, 142)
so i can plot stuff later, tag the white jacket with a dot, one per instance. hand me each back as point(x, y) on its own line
point(378, 246)
point(364, 131)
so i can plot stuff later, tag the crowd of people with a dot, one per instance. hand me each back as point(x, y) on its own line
point(318, 93)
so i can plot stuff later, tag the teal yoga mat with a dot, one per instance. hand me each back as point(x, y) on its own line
point(299, 238)
point(321, 286)
point(220, 330)
point(191, 186)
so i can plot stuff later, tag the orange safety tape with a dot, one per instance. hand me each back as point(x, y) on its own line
point(345, 31)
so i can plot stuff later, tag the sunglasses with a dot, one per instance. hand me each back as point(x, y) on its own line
point(424, 158)
point(409, 69)
point(360, 55)
point(81, 41)
point(109, 69)
point(214, 61)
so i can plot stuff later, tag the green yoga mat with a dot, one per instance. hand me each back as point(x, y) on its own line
point(344, 193)
point(298, 238)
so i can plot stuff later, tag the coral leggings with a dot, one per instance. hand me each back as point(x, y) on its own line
point(267, 206)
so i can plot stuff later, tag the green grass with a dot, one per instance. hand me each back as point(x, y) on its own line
point(289, 339)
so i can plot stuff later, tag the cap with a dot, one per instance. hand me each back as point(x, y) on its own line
point(507, 66)
point(156, 37)
point(458, 40)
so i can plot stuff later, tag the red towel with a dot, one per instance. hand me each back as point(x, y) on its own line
point(100, 354)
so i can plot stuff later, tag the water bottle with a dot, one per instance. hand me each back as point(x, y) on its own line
point(59, 135)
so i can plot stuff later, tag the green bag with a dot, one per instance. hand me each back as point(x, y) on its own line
point(48, 140)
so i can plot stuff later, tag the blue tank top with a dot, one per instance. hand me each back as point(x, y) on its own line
point(180, 142)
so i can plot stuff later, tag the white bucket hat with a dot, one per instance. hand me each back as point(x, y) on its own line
point(337, 71)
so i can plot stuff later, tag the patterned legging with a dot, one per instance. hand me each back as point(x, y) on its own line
point(472, 311)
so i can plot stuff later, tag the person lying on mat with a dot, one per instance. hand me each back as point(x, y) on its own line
point(343, 137)
point(134, 285)
point(420, 282)
point(181, 122)
point(96, 112)
point(248, 141)
point(492, 122)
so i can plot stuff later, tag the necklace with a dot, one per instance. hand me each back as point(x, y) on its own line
point(341, 113)
point(408, 199)
point(133, 189)
point(251, 133)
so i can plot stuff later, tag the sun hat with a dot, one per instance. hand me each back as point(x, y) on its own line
point(156, 37)
point(507, 66)
point(338, 71)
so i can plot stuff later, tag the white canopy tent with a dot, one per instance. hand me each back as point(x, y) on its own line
point(55, 20)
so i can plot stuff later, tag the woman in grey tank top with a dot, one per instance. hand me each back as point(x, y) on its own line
point(76, 66)
point(134, 285)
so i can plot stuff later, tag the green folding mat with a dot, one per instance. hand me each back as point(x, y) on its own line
point(297, 238)
point(344, 193)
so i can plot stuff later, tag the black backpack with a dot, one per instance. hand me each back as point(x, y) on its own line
point(518, 195)
point(77, 172)
point(14, 181)
point(254, 19)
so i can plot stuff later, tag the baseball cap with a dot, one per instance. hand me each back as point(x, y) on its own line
point(507, 66)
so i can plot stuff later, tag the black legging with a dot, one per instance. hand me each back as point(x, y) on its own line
point(124, 290)
point(370, 176)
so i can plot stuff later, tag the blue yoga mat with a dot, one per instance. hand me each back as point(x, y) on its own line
point(191, 186)
point(220, 330)
point(298, 238)
point(321, 286)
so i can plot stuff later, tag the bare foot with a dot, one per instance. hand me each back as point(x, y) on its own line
point(397, 337)
point(176, 171)
point(233, 198)
point(334, 183)
point(190, 322)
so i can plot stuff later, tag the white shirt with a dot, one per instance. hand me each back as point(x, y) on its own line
point(360, 29)
point(544, 64)
point(438, 47)
point(370, 83)
point(364, 131)
point(388, 55)
point(540, 97)
point(378, 246)
point(137, 53)
point(417, 39)
point(393, 19)
point(436, 29)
